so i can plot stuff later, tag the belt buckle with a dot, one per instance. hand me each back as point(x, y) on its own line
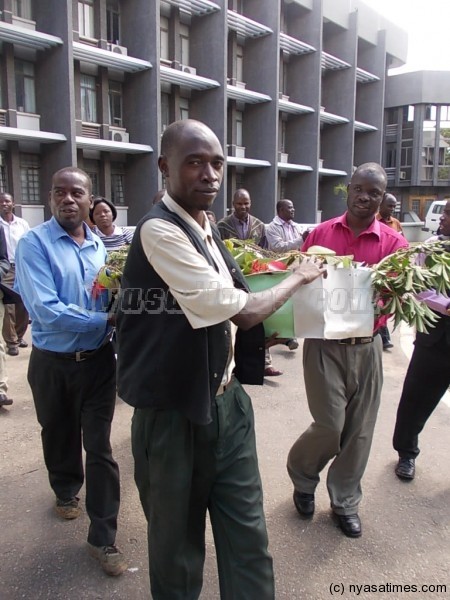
point(79, 357)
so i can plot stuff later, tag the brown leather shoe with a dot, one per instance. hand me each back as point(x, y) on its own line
point(271, 372)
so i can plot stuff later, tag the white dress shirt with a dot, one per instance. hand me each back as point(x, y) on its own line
point(13, 232)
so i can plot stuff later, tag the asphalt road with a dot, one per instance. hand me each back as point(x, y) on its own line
point(406, 526)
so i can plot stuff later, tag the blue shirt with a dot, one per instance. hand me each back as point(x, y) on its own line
point(54, 276)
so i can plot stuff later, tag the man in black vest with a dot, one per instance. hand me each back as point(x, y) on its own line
point(181, 363)
point(428, 375)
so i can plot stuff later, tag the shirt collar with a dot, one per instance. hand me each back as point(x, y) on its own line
point(8, 222)
point(57, 232)
point(374, 227)
point(384, 219)
point(173, 206)
point(279, 221)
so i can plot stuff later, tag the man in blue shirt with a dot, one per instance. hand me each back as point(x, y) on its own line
point(72, 365)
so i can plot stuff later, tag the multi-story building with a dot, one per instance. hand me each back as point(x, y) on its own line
point(417, 139)
point(294, 89)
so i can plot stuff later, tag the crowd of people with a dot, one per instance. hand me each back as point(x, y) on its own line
point(184, 356)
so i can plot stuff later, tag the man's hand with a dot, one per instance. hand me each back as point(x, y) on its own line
point(310, 269)
point(274, 340)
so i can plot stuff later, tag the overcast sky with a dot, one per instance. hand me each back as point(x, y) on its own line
point(428, 24)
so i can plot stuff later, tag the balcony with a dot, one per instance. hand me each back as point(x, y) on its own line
point(198, 8)
point(327, 118)
point(293, 107)
point(364, 127)
point(109, 58)
point(245, 27)
point(247, 96)
point(332, 63)
point(186, 78)
point(28, 38)
point(291, 45)
point(365, 77)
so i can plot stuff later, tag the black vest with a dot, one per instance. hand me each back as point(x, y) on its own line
point(162, 361)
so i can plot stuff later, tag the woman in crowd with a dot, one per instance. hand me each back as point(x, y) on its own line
point(103, 214)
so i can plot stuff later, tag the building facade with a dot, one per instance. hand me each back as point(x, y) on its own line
point(294, 89)
point(417, 139)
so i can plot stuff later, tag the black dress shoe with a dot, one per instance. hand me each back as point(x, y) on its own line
point(23, 344)
point(5, 401)
point(406, 468)
point(349, 524)
point(304, 503)
point(13, 351)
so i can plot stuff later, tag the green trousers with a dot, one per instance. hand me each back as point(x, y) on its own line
point(182, 471)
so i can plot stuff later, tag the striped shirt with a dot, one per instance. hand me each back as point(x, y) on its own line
point(121, 236)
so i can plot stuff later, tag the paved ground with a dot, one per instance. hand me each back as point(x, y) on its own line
point(406, 537)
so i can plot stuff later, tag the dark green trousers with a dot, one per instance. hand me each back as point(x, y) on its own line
point(182, 471)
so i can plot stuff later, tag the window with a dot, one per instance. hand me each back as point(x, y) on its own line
point(29, 178)
point(164, 38)
point(115, 103)
point(113, 23)
point(23, 9)
point(430, 112)
point(92, 169)
point(117, 186)
point(445, 113)
point(391, 155)
point(239, 63)
point(25, 86)
point(184, 43)
point(3, 173)
point(165, 118)
point(239, 135)
point(184, 108)
point(86, 18)
point(88, 99)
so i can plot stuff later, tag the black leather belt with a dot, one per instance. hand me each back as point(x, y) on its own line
point(76, 356)
point(355, 340)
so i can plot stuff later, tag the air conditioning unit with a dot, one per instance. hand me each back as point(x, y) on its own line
point(119, 135)
point(188, 69)
point(283, 157)
point(402, 174)
point(237, 151)
point(117, 49)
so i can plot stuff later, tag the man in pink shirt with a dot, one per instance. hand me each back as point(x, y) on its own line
point(343, 378)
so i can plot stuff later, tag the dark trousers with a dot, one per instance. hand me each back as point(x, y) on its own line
point(75, 404)
point(16, 318)
point(182, 471)
point(427, 379)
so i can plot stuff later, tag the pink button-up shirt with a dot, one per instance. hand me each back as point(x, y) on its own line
point(370, 246)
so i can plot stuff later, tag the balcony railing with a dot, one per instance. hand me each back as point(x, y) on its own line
point(365, 77)
point(197, 8)
point(291, 45)
point(333, 63)
point(246, 27)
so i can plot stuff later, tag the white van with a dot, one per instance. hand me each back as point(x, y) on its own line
point(433, 215)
